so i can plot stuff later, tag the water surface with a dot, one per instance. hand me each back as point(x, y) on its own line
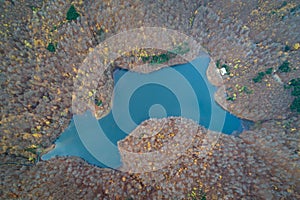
point(181, 90)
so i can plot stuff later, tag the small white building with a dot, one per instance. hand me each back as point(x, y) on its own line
point(223, 71)
point(277, 78)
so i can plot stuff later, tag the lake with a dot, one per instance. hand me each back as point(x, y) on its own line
point(180, 90)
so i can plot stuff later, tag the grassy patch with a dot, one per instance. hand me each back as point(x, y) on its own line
point(162, 58)
point(165, 57)
point(158, 59)
point(181, 49)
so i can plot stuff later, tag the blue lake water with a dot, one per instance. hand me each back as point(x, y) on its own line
point(181, 90)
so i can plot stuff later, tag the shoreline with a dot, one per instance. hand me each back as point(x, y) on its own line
point(37, 93)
